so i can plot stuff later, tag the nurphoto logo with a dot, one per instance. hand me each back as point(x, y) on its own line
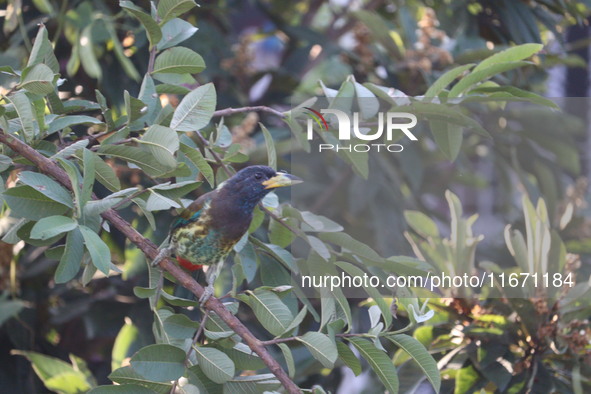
point(392, 123)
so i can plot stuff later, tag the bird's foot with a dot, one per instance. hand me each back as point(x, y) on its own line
point(207, 293)
point(162, 254)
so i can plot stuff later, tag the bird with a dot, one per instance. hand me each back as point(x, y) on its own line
point(206, 231)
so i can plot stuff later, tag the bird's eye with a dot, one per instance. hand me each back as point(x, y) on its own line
point(258, 175)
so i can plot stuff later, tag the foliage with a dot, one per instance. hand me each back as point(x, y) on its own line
point(142, 156)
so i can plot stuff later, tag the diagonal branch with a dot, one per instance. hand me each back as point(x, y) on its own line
point(150, 250)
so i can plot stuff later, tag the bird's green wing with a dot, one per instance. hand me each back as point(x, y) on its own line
point(193, 211)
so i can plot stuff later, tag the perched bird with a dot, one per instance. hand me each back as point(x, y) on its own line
point(207, 230)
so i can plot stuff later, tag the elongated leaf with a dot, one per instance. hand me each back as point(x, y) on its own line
point(128, 376)
point(105, 174)
point(29, 203)
point(447, 78)
point(418, 352)
point(88, 178)
point(87, 56)
point(347, 242)
point(159, 363)
point(169, 9)
point(136, 156)
point(42, 51)
point(51, 226)
point(347, 356)
point(163, 142)
point(121, 389)
point(321, 346)
point(152, 29)
point(98, 250)
point(483, 74)
point(195, 109)
point(271, 152)
point(174, 32)
point(288, 359)
point(38, 80)
point(215, 364)
point(379, 362)
point(71, 259)
point(448, 137)
point(9, 309)
point(179, 60)
point(47, 186)
point(196, 157)
point(24, 110)
point(516, 53)
point(69, 121)
point(56, 374)
point(271, 312)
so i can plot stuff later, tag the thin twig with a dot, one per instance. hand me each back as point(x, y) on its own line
point(258, 108)
point(150, 250)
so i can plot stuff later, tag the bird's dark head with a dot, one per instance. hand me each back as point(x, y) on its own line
point(250, 185)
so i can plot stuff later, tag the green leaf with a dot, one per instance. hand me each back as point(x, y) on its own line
point(159, 363)
point(348, 357)
point(24, 110)
point(9, 309)
point(321, 346)
point(418, 352)
point(515, 92)
point(288, 359)
point(447, 78)
point(42, 51)
point(29, 203)
point(174, 32)
point(179, 60)
point(319, 223)
point(47, 186)
point(127, 337)
point(152, 29)
point(51, 226)
point(466, 379)
point(169, 9)
point(349, 243)
point(379, 362)
point(38, 79)
point(195, 109)
point(271, 152)
point(105, 174)
point(69, 121)
point(265, 383)
point(56, 374)
point(128, 376)
point(163, 142)
point(421, 223)
point(98, 250)
point(71, 259)
point(516, 53)
point(134, 108)
point(180, 326)
point(215, 364)
point(5, 162)
point(136, 156)
point(89, 176)
point(196, 157)
point(271, 312)
point(448, 137)
point(478, 75)
point(87, 55)
point(121, 389)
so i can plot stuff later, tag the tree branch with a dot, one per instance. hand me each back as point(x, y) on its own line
point(260, 108)
point(151, 251)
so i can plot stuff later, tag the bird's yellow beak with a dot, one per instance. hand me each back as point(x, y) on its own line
point(281, 179)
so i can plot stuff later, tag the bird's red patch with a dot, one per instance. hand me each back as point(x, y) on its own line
point(186, 264)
